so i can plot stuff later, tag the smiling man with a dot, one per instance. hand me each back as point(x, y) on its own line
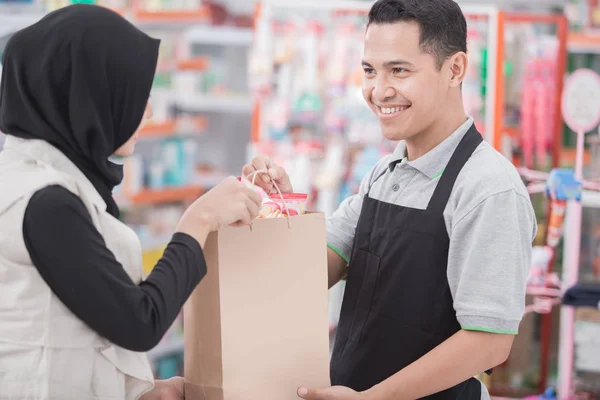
point(436, 246)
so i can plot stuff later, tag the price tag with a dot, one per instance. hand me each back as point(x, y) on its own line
point(581, 101)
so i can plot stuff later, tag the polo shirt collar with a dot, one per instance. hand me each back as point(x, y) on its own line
point(432, 163)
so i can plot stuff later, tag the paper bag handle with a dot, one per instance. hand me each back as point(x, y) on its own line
point(263, 171)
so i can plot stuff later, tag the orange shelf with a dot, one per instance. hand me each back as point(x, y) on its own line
point(567, 156)
point(193, 64)
point(582, 39)
point(166, 129)
point(175, 16)
point(170, 195)
point(533, 18)
point(159, 129)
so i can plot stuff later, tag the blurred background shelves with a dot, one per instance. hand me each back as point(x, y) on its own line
point(283, 78)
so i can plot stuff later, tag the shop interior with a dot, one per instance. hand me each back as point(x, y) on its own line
point(283, 78)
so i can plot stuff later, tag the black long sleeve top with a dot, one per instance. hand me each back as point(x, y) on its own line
point(73, 259)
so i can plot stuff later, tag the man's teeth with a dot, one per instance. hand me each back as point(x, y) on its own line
point(393, 110)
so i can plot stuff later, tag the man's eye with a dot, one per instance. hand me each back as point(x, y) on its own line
point(369, 71)
point(399, 70)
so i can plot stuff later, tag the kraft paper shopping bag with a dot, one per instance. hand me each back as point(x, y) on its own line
point(257, 325)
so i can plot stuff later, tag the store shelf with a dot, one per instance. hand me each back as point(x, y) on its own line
point(170, 19)
point(168, 16)
point(171, 128)
point(193, 64)
point(170, 195)
point(214, 103)
point(155, 130)
point(567, 157)
point(583, 43)
point(220, 35)
point(167, 349)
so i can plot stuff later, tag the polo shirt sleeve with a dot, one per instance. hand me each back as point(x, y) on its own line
point(341, 226)
point(489, 260)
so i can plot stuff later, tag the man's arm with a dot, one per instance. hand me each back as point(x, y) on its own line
point(488, 265)
point(336, 267)
point(459, 358)
point(462, 356)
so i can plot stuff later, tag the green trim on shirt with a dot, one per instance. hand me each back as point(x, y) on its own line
point(480, 329)
point(438, 174)
point(338, 252)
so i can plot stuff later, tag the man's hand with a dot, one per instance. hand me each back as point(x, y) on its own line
point(170, 389)
point(275, 173)
point(332, 393)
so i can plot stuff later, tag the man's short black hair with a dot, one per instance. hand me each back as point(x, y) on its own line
point(442, 23)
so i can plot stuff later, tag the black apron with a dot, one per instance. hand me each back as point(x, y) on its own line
point(397, 304)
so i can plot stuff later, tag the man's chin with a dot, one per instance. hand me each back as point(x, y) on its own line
point(394, 135)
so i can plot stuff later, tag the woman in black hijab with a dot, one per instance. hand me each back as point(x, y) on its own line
point(75, 314)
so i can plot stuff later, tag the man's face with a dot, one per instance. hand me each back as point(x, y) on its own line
point(401, 84)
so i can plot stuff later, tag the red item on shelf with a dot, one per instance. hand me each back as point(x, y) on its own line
point(556, 220)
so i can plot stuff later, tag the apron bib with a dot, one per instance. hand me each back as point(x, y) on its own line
point(397, 304)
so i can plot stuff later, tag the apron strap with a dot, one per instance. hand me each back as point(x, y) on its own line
point(463, 152)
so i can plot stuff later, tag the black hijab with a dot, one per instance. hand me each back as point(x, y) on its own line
point(79, 79)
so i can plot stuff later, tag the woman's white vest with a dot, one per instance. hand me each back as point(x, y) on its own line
point(46, 352)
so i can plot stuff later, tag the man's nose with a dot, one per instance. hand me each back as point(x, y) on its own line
point(383, 90)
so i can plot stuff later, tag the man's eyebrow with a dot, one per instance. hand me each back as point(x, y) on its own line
point(390, 64)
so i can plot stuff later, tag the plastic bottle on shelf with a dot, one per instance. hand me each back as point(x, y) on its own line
point(547, 101)
point(278, 110)
point(309, 104)
point(540, 260)
point(133, 181)
point(190, 151)
point(260, 69)
point(471, 91)
point(561, 187)
point(529, 99)
point(556, 221)
point(156, 173)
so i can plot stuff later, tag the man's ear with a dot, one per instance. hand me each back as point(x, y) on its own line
point(457, 68)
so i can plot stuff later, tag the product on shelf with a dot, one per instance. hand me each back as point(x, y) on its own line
point(561, 187)
point(583, 15)
point(474, 85)
point(533, 92)
point(169, 5)
point(556, 220)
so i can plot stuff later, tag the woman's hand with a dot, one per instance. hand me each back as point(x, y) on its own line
point(265, 180)
point(228, 203)
point(169, 389)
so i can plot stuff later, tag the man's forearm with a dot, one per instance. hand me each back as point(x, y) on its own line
point(462, 356)
point(336, 267)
